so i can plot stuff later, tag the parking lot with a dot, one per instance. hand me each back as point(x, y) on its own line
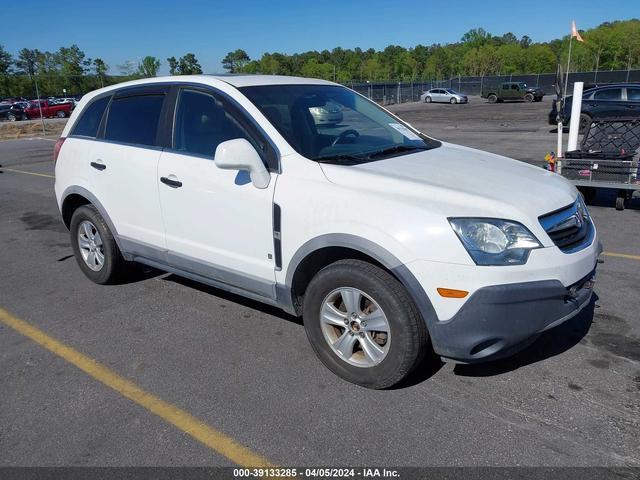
point(189, 375)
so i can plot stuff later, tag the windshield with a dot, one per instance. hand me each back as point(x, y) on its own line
point(334, 124)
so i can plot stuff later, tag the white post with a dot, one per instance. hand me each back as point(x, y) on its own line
point(559, 147)
point(574, 124)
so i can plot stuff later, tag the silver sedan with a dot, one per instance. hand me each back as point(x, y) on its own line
point(443, 95)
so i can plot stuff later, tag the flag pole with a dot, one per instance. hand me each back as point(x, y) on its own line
point(566, 82)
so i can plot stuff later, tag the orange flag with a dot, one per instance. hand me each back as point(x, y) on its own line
point(574, 32)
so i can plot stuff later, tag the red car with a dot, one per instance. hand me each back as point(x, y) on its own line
point(60, 110)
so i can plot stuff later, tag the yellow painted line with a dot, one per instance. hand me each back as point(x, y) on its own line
point(209, 436)
point(621, 255)
point(3, 169)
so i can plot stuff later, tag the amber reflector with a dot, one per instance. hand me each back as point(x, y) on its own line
point(451, 293)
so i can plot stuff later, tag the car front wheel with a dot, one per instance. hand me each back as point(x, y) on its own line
point(427, 99)
point(362, 324)
point(492, 98)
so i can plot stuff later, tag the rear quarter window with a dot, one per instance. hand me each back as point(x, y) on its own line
point(89, 121)
point(134, 119)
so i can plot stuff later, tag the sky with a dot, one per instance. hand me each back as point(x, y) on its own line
point(121, 30)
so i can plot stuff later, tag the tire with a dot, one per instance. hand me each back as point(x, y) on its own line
point(61, 114)
point(113, 266)
point(528, 98)
point(11, 117)
point(585, 122)
point(397, 353)
point(493, 98)
point(427, 100)
point(453, 101)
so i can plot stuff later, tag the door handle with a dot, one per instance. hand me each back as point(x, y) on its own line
point(98, 165)
point(173, 183)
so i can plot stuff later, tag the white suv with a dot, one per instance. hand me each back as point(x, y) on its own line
point(389, 243)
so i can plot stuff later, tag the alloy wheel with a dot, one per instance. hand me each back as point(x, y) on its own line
point(90, 245)
point(355, 327)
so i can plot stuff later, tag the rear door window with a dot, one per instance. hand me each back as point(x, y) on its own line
point(633, 94)
point(89, 121)
point(608, 94)
point(134, 119)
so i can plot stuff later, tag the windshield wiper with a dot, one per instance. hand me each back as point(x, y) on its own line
point(395, 149)
point(340, 158)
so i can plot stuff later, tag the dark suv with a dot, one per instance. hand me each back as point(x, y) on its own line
point(613, 100)
point(12, 112)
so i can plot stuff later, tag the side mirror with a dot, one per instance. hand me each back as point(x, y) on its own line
point(239, 154)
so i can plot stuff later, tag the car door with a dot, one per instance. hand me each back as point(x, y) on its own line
point(608, 102)
point(632, 104)
point(217, 223)
point(124, 162)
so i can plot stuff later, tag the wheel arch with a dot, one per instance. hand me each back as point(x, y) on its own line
point(321, 251)
point(75, 197)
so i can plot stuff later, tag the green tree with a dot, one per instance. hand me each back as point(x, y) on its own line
point(188, 65)
point(100, 68)
point(148, 66)
point(27, 61)
point(6, 66)
point(173, 65)
point(235, 61)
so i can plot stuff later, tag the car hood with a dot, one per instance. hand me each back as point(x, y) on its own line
point(460, 181)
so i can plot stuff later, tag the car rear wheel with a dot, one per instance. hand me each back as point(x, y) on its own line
point(11, 117)
point(61, 114)
point(528, 98)
point(453, 101)
point(362, 324)
point(492, 98)
point(95, 248)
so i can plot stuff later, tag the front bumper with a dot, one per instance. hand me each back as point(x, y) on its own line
point(506, 306)
point(496, 320)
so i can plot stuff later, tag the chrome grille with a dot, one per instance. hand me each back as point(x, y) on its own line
point(570, 228)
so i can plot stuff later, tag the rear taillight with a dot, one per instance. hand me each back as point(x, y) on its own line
point(56, 148)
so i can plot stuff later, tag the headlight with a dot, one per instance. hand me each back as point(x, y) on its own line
point(492, 241)
point(317, 110)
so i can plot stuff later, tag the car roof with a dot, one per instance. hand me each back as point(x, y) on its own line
point(614, 85)
point(237, 81)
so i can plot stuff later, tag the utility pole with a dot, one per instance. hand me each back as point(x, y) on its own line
point(44, 131)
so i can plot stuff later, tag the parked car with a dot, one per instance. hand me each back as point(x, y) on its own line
point(12, 112)
point(387, 242)
point(614, 100)
point(512, 91)
point(443, 95)
point(328, 114)
point(48, 109)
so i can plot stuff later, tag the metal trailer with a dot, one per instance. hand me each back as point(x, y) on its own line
point(608, 158)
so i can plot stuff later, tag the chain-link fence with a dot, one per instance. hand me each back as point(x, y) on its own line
point(401, 92)
point(19, 86)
